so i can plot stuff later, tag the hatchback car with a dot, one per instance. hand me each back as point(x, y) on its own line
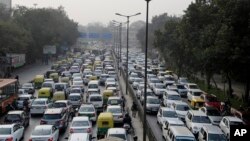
point(81, 124)
point(164, 114)
point(88, 110)
point(39, 105)
point(181, 109)
point(211, 133)
point(153, 104)
point(226, 122)
point(17, 117)
point(117, 113)
point(45, 132)
point(11, 132)
point(97, 101)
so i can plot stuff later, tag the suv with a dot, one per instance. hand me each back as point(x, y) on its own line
point(211, 132)
point(56, 116)
point(17, 117)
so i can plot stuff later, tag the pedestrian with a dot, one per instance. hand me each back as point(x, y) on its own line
point(134, 109)
point(123, 102)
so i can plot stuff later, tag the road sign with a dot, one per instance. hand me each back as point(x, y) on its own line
point(49, 49)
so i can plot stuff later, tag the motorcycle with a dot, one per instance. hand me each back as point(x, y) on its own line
point(127, 128)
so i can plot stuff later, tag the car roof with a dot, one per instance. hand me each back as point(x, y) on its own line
point(43, 126)
point(233, 118)
point(175, 121)
point(171, 92)
point(167, 109)
point(212, 129)
point(94, 95)
point(152, 97)
point(116, 131)
point(15, 112)
point(80, 118)
point(53, 110)
point(180, 103)
point(181, 131)
point(79, 137)
point(113, 106)
point(64, 101)
point(41, 99)
point(197, 113)
point(7, 125)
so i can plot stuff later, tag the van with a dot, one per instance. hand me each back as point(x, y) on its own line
point(97, 101)
point(211, 132)
point(176, 133)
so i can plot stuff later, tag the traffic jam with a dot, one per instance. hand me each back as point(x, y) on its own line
point(77, 99)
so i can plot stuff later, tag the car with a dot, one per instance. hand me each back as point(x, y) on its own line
point(211, 100)
point(176, 133)
point(117, 113)
point(183, 80)
point(131, 77)
point(81, 124)
point(153, 104)
point(75, 99)
point(62, 87)
point(168, 123)
point(86, 79)
point(152, 82)
point(213, 114)
point(44, 132)
point(48, 84)
point(194, 94)
point(166, 113)
point(181, 89)
point(181, 109)
point(23, 97)
point(76, 90)
point(102, 79)
point(149, 93)
point(39, 105)
point(79, 137)
point(226, 122)
point(169, 97)
point(159, 89)
point(195, 119)
point(191, 86)
point(17, 116)
point(168, 80)
point(210, 133)
point(56, 116)
point(22, 91)
point(172, 88)
point(117, 132)
point(29, 87)
point(96, 100)
point(11, 132)
point(114, 100)
point(65, 104)
point(136, 82)
point(74, 69)
point(88, 109)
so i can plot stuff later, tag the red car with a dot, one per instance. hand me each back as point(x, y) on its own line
point(211, 100)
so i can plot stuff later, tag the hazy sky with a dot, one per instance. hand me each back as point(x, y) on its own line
point(88, 11)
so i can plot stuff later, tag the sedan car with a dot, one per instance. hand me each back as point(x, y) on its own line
point(181, 109)
point(11, 132)
point(39, 105)
point(117, 112)
point(45, 132)
point(164, 114)
point(17, 117)
point(153, 104)
point(88, 110)
point(213, 114)
point(81, 124)
point(30, 87)
point(21, 99)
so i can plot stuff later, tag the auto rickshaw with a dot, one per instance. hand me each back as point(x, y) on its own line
point(45, 93)
point(59, 95)
point(169, 72)
point(38, 81)
point(54, 76)
point(106, 94)
point(92, 78)
point(197, 103)
point(65, 79)
point(104, 122)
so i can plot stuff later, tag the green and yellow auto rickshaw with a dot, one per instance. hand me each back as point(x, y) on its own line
point(106, 94)
point(38, 81)
point(54, 76)
point(45, 93)
point(104, 122)
point(197, 103)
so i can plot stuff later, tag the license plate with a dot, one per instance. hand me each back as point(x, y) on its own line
point(154, 109)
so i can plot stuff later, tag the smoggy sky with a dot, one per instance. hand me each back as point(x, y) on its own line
point(89, 11)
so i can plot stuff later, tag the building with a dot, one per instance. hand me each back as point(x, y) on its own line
point(7, 3)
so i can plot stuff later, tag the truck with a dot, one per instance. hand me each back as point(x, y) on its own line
point(17, 60)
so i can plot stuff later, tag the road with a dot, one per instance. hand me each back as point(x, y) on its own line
point(26, 74)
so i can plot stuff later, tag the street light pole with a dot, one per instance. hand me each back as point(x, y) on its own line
point(127, 44)
point(145, 81)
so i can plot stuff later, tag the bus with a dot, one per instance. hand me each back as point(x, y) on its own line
point(8, 93)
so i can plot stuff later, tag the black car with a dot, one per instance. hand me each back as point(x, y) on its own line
point(17, 116)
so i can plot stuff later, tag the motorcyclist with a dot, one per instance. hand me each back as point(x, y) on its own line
point(26, 105)
point(134, 109)
point(127, 120)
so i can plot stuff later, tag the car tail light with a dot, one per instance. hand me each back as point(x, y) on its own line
point(50, 139)
point(43, 122)
point(89, 130)
point(71, 130)
point(9, 139)
point(120, 116)
point(30, 139)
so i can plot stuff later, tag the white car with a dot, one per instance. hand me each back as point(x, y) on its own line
point(88, 110)
point(117, 132)
point(39, 105)
point(11, 132)
point(192, 86)
point(159, 89)
point(22, 91)
point(169, 123)
point(75, 99)
point(132, 76)
point(149, 93)
point(96, 100)
point(211, 132)
point(117, 112)
point(29, 87)
point(181, 109)
point(168, 80)
point(78, 137)
point(136, 82)
point(45, 132)
point(81, 124)
point(226, 122)
point(164, 114)
point(213, 114)
point(169, 97)
point(152, 82)
point(195, 119)
point(23, 97)
point(194, 94)
point(153, 104)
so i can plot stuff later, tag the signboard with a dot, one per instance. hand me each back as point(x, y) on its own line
point(96, 35)
point(49, 49)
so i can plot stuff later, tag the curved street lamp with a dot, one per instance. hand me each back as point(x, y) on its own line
point(127, 16)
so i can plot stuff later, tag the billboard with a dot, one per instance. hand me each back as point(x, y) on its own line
point(106, 36)
point(49, 49)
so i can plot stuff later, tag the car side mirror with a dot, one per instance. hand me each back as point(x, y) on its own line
point(66, 138)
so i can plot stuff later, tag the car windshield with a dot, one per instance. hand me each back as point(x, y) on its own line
point(121, 136)
point(74, 97)
point(201, 119)
point(185, 138)
point(217, 137)
point(182, 107)
point(197, 93)
point(86, 109)
point(80, 123)
point(38, 102)
point(96, 98)
point(180, 86)
point(169, 79)
point(5, 131)
point(13, 117)
point(174, 97)
point(114, 110)
point(59, 105)
point(59, 87)
point(235, 123)
point(213, 112)
point(153, 101)
point(40, 132)
point(52, 116)
point(193, 87)
point(160, 86)
point(93, 86)
point(75, 91)
point(170, 114)
point(114, 101)
point(212, 99)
